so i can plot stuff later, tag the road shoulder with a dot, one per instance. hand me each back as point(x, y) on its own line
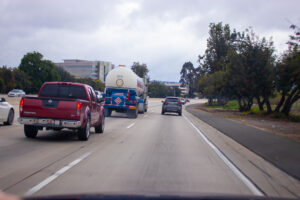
point(271, 180)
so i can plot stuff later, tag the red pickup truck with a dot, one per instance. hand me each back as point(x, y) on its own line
point(62, 105)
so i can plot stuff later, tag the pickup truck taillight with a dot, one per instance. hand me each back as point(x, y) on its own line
point(78, 108)
point(21, 105)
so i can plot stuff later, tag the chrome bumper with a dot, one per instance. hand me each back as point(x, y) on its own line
point(49, 122)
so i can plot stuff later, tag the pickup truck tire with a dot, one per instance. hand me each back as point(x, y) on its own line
point(84, 133)
point(107, 112)
point(30, 131)
point(10, 117)
point(100, 128)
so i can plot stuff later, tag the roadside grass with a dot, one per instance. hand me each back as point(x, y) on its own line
point(233, 105)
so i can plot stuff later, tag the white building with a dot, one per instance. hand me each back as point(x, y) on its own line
point(96, 70)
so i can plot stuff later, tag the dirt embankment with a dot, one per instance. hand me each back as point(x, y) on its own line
point(280, 127)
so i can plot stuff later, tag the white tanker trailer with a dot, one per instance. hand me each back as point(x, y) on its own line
point(125, 92)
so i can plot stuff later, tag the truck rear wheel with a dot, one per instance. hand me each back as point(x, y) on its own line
point(100, 128)
point(141, 107)
point(132, 113)
point(30, 131)
point(84, 133)
point(107, 112)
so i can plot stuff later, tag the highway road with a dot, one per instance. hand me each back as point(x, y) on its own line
point(152, 155)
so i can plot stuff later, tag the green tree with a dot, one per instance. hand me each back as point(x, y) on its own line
point(237, 66)
point(288, 74)
point(140, 69)
point(241, 87)
point(8, 79)
point(212, 86)
point(220, 42)
point(96, 84)
point(22, 80)
point(1, 85)
point(189, 76)
point(250, 70)
point(38, 70)
point(160, 90)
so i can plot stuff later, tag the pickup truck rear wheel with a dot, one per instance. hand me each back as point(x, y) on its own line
point(84, 133)
point(30, 131)
point(100, 128)
point(107, 112)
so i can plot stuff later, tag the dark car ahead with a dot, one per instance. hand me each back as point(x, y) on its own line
point(171, 104)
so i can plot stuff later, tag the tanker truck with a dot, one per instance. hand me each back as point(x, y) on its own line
point(125, 92)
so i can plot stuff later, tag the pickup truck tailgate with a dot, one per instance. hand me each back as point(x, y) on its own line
point(50, 108)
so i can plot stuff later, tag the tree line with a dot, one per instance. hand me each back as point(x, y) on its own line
point(33, 71)
point(159, 90)
point(241, 66)
point(156, 89)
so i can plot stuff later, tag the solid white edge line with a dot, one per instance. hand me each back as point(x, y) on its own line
point(131, 125)
point(234, 169)
point(55, 175)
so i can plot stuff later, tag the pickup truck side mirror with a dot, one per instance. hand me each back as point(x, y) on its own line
point(100, 100)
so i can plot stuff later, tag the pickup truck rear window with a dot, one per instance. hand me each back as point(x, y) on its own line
point(63, 91)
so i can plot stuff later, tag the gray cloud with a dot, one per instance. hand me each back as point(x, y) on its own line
point(162, 34)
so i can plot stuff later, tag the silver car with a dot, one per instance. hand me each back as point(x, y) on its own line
point(16, 93)
point(171, 104)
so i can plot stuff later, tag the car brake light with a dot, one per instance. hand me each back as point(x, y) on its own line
point(78, 108)
point(21, 105)
point(179, 102)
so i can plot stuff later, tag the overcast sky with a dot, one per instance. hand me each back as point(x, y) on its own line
point(161, 33)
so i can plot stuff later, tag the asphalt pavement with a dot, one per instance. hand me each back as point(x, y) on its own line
point(281, 152)
point(154, 154)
